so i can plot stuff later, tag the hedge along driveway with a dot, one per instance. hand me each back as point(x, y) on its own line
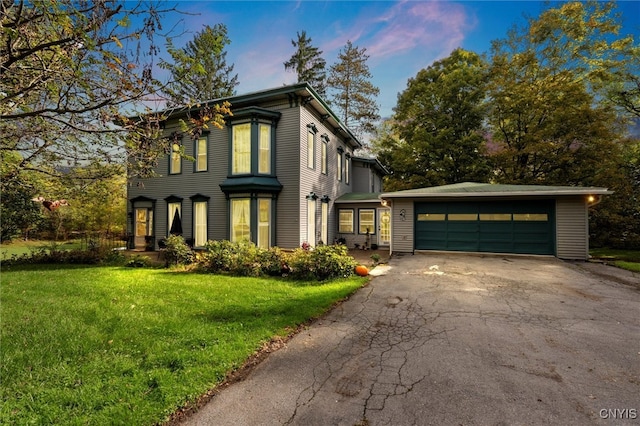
point(114, 345)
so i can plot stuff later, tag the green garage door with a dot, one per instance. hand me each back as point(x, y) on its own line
point(525, 227)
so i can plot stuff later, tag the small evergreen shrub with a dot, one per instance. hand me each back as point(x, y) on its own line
point(177, 252)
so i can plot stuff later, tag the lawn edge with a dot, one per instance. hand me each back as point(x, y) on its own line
point(240, 373)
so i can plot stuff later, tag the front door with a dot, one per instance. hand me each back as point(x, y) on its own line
point(143, 226)
point(384, 227)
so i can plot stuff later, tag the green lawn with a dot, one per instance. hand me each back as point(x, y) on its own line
point(22, 247)
point(112, 345)
point(625, 259)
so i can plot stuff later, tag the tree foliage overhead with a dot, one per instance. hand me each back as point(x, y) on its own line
point(307, 63)
point(68, 69)
point(71, 73)
point(352, 93)
point(548, 122)
point(436, 136)
point(199, 70)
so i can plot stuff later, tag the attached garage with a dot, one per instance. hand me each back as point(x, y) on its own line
point(475, 217)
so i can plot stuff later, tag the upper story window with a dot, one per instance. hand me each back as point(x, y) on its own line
point(324, 160)
point(252, 141)
point(347, 166)
point(175, 161)
point(339, 159)
point(311, 145)
point(241, 149)
point(201, 154)
point(264, 155)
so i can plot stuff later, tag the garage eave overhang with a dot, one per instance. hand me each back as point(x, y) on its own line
point(495, 194)
point(467, 190)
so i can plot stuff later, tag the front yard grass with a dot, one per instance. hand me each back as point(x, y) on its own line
point(112, 345)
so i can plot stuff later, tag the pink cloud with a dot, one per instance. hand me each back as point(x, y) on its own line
point(435, 26)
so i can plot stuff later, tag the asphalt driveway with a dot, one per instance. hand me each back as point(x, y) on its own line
point(455, 340)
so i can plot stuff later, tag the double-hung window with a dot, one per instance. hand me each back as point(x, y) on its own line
point(174, 220)
point(311, 145)
point(346, 168)
point(311, 219)
point(264, 223)
point(345, 221)
point(324, 220)
point(366, 221)
point(339, 163)
point(324, 146)
point(264, 149)
point(240, 219)
point(251, 217)
point(241, 149)
point(201, 154)
point(200, 222)
point(175, 160)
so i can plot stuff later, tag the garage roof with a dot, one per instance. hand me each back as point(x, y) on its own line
point(474, 189)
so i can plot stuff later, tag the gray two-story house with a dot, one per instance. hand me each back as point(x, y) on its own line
point(271, 176)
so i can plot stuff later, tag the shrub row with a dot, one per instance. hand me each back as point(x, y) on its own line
point(246, 259)
point(241, 259)
point(48, 255)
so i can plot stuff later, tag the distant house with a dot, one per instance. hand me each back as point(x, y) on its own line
point(272, 176)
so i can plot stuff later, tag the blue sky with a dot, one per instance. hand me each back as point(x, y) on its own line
point(401, 37)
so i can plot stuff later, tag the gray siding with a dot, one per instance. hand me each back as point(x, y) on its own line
point(402, 226)
point(312, 180)
point(287, 171)
point(188, 184)
point(291, 170)
point(361, 177)
point(572, 228)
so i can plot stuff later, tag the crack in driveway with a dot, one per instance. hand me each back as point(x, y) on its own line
point(488, 341)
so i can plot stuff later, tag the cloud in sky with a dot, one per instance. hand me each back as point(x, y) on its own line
point(414, 33)
point(410, 25)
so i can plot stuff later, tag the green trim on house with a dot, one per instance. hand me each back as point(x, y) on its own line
point(251, 184)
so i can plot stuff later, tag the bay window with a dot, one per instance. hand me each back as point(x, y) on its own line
point(240, 219)
point(241, 149)
point(252, 220)
point(264, 154)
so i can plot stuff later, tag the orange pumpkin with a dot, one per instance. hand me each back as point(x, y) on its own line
point(362, 270)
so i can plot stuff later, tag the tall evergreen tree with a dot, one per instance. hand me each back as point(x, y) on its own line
point(436, 132)
point(307, 63)
point(352, 92)
point(199, 70)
